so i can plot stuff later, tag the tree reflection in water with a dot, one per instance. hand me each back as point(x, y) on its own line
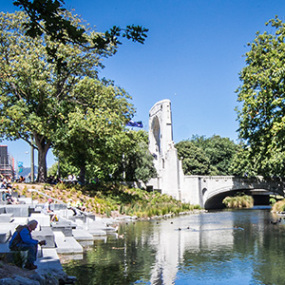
point(238, 247)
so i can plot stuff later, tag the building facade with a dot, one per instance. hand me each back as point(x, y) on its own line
point(6, 164)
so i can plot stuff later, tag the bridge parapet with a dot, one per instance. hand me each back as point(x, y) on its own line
point(200, 189)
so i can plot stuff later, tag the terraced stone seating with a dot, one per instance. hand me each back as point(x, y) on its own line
point(11, 256)
point(46, 234)
point(17, 210)
point(63, 225)
point(6, 218)
point(5, 233)
point(42, 219)
point(57, 207)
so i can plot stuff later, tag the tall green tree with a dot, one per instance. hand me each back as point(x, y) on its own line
point(262, 112)
point(207, 156)
point(242, 165)
point(194, 159)
point(137, 162)
point(94, 132)
point(220, 152)
point(37, 96)
point(119, 156)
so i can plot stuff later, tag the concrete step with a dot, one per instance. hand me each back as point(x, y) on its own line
point(17, 210)
point(42, 219)
point(6, 230)
point(6, 218)
point(66, 244)
point(97, 232)
point(48, 259)
point(46, 234)
point(11, 256)
point(83, 237)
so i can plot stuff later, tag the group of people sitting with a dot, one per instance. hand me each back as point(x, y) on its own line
point(7, 198)
point(7, 190)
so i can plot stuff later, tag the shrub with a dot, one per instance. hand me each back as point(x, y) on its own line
point(19, 258)
point(272, 201)
point(279, 206)
point(61, 186)
point(243, 201)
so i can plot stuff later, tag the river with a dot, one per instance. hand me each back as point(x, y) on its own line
point(224, 247)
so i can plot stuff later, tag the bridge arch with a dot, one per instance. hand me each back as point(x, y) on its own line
point(207, 191)
point(257, 187)
point(261, 197)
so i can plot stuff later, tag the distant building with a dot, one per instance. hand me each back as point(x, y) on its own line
point(6, 163)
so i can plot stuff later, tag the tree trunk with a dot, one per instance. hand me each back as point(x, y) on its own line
point(82, 174)
point(43, 148)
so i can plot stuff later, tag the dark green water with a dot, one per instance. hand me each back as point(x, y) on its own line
point(227, 247)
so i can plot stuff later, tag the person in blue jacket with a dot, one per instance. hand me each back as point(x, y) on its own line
point(22, 240)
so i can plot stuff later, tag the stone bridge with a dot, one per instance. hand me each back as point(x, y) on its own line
point(207, 191)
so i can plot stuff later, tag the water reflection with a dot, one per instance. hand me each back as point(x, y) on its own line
point(238, 247)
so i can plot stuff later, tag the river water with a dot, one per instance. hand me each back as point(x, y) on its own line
point(225, 247)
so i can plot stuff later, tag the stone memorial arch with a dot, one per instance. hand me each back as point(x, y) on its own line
point(169, 168)
point(206, 191)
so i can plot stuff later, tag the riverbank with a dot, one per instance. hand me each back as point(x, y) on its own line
point(49, 269)
point(108, 200)
point(72, 234)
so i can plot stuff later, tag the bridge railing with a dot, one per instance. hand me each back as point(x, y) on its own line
point(275, 185)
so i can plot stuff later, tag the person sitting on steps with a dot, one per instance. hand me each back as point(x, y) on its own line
point(22, 240)
point(47, 210)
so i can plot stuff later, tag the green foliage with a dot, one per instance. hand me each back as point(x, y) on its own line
point(35, 96)
point(45, 16)
point(93, 138)
point(261, 116)
point(194, 159)
point(64, 169)
point(207, 156)
point(67, 108)
point(19, 258)
point(127, 158)
point(136, 163)
point(272, 201)
point(241, 164)
point(133, 201)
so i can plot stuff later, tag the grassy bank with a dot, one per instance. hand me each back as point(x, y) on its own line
point(110, 199)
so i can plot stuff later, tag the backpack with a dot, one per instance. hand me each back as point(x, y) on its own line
point(16, 238)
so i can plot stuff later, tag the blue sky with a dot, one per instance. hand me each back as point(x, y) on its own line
point(192, 56)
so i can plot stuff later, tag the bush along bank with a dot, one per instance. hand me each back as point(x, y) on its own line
point(240, 201)
point(279, 207)
point(109, 200)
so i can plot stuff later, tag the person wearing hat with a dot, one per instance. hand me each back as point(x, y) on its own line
point(22, 240)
